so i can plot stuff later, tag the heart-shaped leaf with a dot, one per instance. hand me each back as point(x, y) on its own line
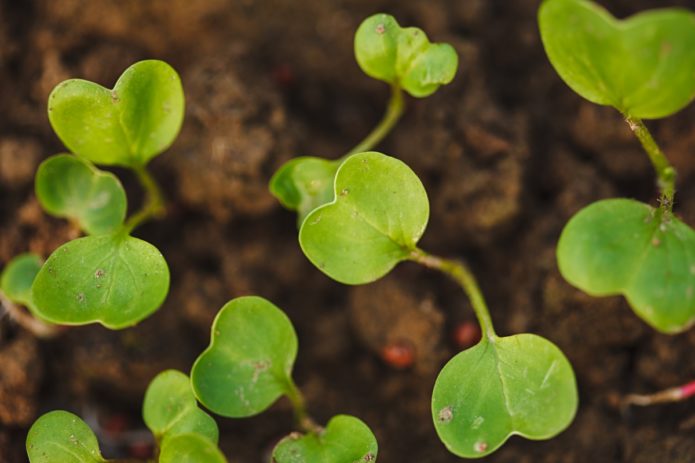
point(379, 213)
point(403, 56)
point(248, 364)
point(126, 126)
point(73, 188)
point(520, 384)
point(17, 278)
point(621, 246)
point(643, 66)
point(61, 437)
point(305, 183)
point(170, 409)
point(116, 280)
point(346, 439)
point(190, 448)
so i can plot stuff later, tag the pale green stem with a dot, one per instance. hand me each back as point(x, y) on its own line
point(394, 110)
point(460, 273)
point(665, 172)
point(153, 206)
point(304, 421)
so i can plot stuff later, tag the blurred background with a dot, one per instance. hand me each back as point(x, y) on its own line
point(507, 154)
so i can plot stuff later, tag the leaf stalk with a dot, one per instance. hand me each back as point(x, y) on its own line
point(460, 273)
point(665, 172)
point(153, 206)
point(394, 111)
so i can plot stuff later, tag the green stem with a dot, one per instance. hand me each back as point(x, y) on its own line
point(460, 273)
point(153, 206)
point(394, 110)
point(666, 173)
point(304, 421)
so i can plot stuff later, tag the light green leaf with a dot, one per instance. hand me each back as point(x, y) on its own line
point(17, 278)
point(520, 384)
point(305, 183)
point(346, 439)
point(643, 66)
point(403, 56)
point(116, 280)
point(73, 188)
point(126, 126)
point(170, 408)
point(379, 213)
point(61, 437)
point(190, 448)
point(621, 246)
point(248, 364)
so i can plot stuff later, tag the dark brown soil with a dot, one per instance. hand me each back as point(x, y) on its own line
point(507, 153)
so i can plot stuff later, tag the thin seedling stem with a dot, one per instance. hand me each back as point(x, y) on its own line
point(460, 273)
point(27, 321)
point(674, 394)
point(305, 422)
point(665, 172)
point(393, 113)
point(153, 206)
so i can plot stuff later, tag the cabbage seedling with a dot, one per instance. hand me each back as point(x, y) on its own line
point(404, 58)
point(184, 433)
point(248, 367)
point(642, 66)
point(519, 384)
point(108, 276)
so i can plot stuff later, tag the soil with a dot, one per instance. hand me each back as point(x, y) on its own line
point(507, 153)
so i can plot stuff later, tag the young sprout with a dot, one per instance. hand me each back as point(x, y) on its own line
point(107, 277)
point(402, 57)
point(520, 384)
point(184, 433)
point(643, 66)
point(248, 366)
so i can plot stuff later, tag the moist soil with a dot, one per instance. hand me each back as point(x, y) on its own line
point(507, 153)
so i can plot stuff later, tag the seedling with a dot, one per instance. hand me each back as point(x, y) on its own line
point(520, 384)
point(642, 66)
point(109, 276)
point(405, 59)
point(184, 433)
point(248, 367)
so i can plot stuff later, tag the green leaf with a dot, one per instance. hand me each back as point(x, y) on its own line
point(126, 126)
point(305, 183)
point(520, 384)
point(248, 364)
point(403, 56)
point(61, 437)
point(621, 246)
point(643, 66)
point(17, 278)
point(170, 408)
point(190, 448)
point(116, 280)
point(346, 439)
point(379, 213)
point(73, 188)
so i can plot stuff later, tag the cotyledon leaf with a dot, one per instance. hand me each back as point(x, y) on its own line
point(248, 364)
point(115, 280)
point(519, 384)
point(643, 65)
point(403, 56)
point(190, 448)
point(61, 437)
point(379, 213)
point(170, 408)
point(126, 126)
point(622, 246)
point(69, 187)
point(304, 183)
point(18, 276)
point(346, 439)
